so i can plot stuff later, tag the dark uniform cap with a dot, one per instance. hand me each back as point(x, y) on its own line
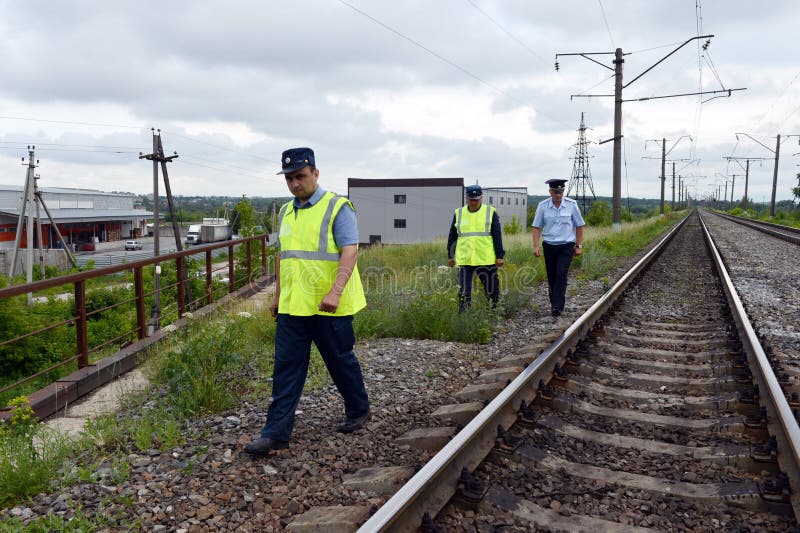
point(556, 183)
point(296, 158)
point(474, 191)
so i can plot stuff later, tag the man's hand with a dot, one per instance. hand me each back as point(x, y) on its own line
point(498, 262)
point(273, 307)
point(451, 262)
point(330, 303)
point(537, 251)
point(578, 251)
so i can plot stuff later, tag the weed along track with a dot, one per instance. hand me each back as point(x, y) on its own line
point(652, 415)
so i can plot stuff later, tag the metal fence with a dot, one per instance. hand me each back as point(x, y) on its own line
point(227, 276)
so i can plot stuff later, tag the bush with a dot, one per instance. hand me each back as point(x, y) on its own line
point(599, 214)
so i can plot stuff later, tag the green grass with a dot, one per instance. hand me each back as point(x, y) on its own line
point(412, 293)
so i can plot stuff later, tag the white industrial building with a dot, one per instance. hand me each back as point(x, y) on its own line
point(510, 202)
point(404, 211)
point(84, 217)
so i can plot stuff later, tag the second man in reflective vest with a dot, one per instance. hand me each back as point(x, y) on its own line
point(475, 244)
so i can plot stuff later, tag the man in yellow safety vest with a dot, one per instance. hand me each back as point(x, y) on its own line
point(475, 244)
point(317, 292)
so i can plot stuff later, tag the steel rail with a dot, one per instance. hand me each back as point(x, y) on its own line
point(781, 420)
point(429, 490)
point(786, 233)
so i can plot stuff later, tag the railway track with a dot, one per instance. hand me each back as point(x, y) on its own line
point(656, 410)
point(785, 233)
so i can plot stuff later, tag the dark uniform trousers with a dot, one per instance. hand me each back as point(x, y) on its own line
point(557, 258)
point(334, 338)
point(488, 276)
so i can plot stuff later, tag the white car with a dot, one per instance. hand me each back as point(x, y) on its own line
point(133, 245)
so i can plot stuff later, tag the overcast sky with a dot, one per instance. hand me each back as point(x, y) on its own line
point(379, 89)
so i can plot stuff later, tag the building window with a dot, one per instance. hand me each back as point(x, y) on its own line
point(523, 201)
point(399, 223)
point(516, 201)
point(399, 199)
point(501, 200)
point(491, 200)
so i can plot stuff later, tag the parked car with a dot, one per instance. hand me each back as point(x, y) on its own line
point(133, 245)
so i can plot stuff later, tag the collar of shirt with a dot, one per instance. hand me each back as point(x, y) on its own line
point(311, 201)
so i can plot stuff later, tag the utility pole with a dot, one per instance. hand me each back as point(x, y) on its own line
point(746, 169)
point(672, 205)
point(664, 153)
point(777, 152)
point(581, 175)
point(663, 177)
point(157, 157)
point(27, 201)
point(616, 210)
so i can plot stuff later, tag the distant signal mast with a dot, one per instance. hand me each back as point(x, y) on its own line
point(581, 179)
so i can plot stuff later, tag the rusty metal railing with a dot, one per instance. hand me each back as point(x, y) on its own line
point(85, 345)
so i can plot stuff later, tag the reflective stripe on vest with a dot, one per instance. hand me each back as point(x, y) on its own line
point(475, 246)
point(310, 259)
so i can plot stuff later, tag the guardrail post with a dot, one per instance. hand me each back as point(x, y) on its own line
point(263, 240)
point(80, 324)
point(249, 263)
point(230, 269)
point(141, 320)
point(181, 286)
point(208, 278)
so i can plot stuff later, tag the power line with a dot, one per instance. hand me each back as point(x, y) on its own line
point(5, 117)
point(448, 61)
point(519, 41)
point(218, 169)
point(226, 148)
point(603, 11)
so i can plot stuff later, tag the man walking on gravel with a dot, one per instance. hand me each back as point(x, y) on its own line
point(475, 244)
point(317, 292)
point(558, 222)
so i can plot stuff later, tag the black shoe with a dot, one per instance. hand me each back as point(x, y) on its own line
point(263, 446)
point(556, 312)
point(350, 425)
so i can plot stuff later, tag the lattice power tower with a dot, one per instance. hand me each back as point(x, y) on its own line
point(581, 179)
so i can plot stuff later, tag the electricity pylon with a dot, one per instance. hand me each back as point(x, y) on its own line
point(581, 178)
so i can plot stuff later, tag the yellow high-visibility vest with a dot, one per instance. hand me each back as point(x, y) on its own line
point(309, 260)
point(474, 246)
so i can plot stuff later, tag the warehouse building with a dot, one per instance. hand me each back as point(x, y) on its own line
point(84, 217)
point(510, 202)
point(404, 211)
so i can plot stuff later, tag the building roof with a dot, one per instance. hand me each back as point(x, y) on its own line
point(406, 182)
point(64, 190)
point(86, 215)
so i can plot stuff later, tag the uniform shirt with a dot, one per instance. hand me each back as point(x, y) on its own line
point(558, 223)
point(345, 227)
